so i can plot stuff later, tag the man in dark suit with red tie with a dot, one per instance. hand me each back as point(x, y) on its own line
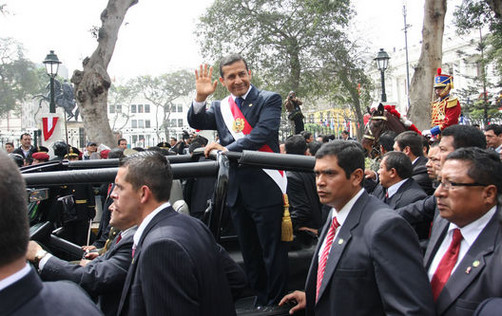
point(177, 267)
point(248, 119)
point(460, 258)
point(368, 260)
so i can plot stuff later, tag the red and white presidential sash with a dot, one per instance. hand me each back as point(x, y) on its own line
point(48, 126)
point(239, 127)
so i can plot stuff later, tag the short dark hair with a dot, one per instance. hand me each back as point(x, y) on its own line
point(485, 165)
point(350, 155)
point(116, 153)
point(152, 169)
point(412, 140)
point(306, 134)
point(386, 140)
point(314, 147)
point(400, 162)
point(24, 134)
point(9, 143)
point(496, 128)
point(296, 145)
point(14, 228)
point(465, 136)
point(345, 132)
point(230, 59)
point(121, 139)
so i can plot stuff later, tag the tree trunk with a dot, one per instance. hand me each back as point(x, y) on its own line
point(421, 87)
point(92, 84)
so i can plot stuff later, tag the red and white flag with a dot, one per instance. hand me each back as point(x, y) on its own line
point(49, 125)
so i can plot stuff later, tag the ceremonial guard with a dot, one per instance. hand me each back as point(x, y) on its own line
point(445, 111)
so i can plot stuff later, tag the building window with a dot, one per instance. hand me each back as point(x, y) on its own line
point(173, 108)
point(111, 108)
point(133, 108)
point(118, 108)
point(180, 108)
point(140, 108)
point(134, 124)
point(147, 108)
point(180, 122)
point(141, 124)
point(147, 123)
point(173, 123)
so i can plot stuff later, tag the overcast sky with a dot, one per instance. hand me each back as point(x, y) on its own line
point(157, 35)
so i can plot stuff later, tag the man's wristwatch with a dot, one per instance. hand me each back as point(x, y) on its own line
point(39, 256)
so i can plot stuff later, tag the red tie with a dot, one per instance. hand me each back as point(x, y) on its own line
point(324, 256)
point(118, 239)
point(446, 264)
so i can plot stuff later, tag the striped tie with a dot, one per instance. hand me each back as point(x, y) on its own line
point(324, 256)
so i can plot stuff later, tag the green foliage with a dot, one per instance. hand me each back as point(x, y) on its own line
point(478, 14)
point(295, 45)
point(19, 77)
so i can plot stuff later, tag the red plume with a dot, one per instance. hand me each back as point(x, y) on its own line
point(439, 71)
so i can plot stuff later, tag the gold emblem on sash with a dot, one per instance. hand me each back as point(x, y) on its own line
point(238, 125)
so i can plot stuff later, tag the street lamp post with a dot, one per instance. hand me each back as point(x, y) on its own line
point(52, 65)
point(382, 60)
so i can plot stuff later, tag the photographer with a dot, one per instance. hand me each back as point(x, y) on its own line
point(292, 105)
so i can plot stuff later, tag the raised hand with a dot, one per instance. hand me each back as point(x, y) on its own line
point(203, 85)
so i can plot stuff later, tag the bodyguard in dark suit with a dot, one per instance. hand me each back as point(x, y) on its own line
point(176, 267)
point(103, 277)
point(21, 290)
point(410, 143)
point(398, 189)
point(254, 199)
point(304, 204)
point(368, 260)
point(460, 256)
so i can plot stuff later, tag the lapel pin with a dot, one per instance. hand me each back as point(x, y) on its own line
point(475, 264)
point(132, 262)
point(251, 104)
point(340, 241)
point(468, 270)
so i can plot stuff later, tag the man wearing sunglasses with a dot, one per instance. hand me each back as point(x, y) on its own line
point(460, 256)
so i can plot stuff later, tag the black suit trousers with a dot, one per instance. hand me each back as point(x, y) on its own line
point(265, 255)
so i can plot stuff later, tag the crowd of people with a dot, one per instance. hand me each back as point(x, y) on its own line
point(417, 235)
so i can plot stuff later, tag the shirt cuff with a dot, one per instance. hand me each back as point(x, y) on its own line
point(44, 260)
point(198, 106)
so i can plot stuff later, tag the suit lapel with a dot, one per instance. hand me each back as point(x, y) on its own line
point(394, 200)
point(470, 267)
point(250, 100)
point(342, 240)
point(134, 264)
point(439, 229)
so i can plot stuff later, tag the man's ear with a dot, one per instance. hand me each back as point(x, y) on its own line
point(407, 150)
point(490, 194)
point(357, 177)
point(222, 81)
point(145, 194)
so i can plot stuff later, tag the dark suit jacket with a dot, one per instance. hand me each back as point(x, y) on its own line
point(489, 307)
point(407, 193)
point(468, 286)
point(420, 175)
point(374, 267)
point(305, 207)
point(31, 296)
point(176, 270)
point(262, 110)
point(103, 277)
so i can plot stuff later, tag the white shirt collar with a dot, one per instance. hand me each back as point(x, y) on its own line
point(344, 212)
point(13, 278)
point(393, 188)
point(146, 221)
point(244, 96)
point(129, 231)
point(471, 231)
point(413, 162)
